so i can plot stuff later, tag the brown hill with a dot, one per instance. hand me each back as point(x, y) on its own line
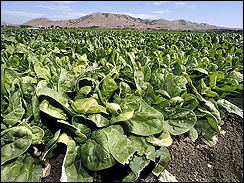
point(122, 21)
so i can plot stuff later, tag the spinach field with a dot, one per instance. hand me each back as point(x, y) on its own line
point(111, 97)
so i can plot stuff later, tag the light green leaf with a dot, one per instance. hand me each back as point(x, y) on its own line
point(209, 134)
point(163, 162)
point(14, 142)
point(163, 140)
point(79, 136)
point(19, 170)
point(83, 92)
point(215, 77)
point(15, 111)
point(72, 168)
point(123, 116)
point(141, 146)
point(117, 143)
point(179, 121)
point(108, 87)
point(99, 120)
point(55, 111)
point(50, 145)
point(113, 108)
point(87, 106)
point(145, 121)
point(137, 164)
point(37, 134)
point(42, 71)
point(192, 134)
point(56, 96)
point(165, 176)
point(36, 173)
point(231, 108)
point(66, 81)
point(95, 157)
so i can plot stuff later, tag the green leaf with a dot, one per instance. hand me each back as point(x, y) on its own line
point(211, 119)
point(200, 70)
point(99, 120)
point(88, 106)
point(14, 142)
point(191, 62)
point(117, 143)
point(192, 134)
point(15, 111)
point(236, 100)
point(36, 173)
point(216, 77)
point(72, 168)
point(211, 105)
point(199, 97)
point(79, 122)
point(113, 108)
point(209, 134)
point(56, 96)
point(190, 101)
point(52, 109)
point(66, 81)
point(145, 121)
point(173, 84)
point(163, 93)
point(50, 144)
point(141, 146)
point(42, 71)
point(234, 75)
point(212, 67)
point(76, 130)
point(163, 162)
point(147, 72)
point(123, 116)
point(231, 108)
point(108, 87)
point(139, 80)
point(83, 92)
point(36, 109)
point(18, 171)
point(95, 157)
point(207, 90)
point(37, 134)
point(163, 140)
point(137, 164)
point(179, 121)
point(124, 89)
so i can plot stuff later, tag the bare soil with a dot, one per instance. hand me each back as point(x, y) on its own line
point(190, 161)
point(221, 163)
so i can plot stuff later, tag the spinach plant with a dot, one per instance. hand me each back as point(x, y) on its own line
point(111, 97)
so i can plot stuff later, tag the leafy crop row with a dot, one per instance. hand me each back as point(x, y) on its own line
point(111, 97)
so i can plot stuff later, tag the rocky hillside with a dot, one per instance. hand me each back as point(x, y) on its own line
point(120, 21)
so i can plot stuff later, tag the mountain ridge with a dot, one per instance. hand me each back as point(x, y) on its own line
point(121, 21)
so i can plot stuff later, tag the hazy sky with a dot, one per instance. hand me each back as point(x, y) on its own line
point(220, 13)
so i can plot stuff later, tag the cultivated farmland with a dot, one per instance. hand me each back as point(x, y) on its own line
point(112, 98)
